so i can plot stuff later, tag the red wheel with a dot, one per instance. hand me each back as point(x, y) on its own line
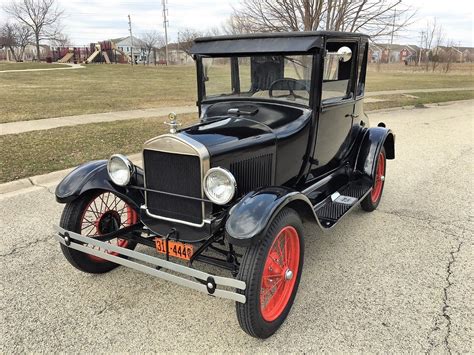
point(104, 214)
point(95, 214)
point(371, 201)
point(271, 270)
point(278, 279)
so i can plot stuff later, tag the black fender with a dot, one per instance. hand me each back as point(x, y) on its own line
point(93, 176)
point(249, 219)
point(374, 139)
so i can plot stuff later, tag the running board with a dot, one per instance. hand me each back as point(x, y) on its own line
point(336, 206)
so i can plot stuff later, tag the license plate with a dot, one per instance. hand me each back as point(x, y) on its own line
point(176, 249)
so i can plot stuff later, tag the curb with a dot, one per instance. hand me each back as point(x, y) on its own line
point(45, 181)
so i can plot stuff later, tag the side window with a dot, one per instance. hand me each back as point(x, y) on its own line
point(338, 64)
point(362, 69)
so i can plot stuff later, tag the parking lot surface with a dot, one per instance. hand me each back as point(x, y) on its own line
point(395, 280)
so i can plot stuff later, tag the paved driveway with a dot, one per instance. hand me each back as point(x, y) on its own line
point(395, 280)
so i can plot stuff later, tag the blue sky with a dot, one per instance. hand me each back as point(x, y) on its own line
point(92, 20)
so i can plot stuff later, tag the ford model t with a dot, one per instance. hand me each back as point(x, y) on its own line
point(282, 140)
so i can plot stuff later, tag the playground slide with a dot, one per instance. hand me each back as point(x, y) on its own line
point(66, 58)
point(124, 54)
point(106, 57)
point(92, 57)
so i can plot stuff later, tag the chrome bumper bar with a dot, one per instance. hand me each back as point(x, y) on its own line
point(210, 282)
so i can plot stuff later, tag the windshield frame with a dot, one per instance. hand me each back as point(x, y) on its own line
point(201, 84)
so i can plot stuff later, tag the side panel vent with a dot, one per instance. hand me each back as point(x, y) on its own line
point(252, 173)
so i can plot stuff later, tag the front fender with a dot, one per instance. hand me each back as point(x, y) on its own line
point(374, 139)
point(249, 219)
point(93, 176)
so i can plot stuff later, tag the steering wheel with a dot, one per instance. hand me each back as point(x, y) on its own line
point(289, 84)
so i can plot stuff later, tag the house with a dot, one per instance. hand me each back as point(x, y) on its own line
point(375, 53)
point(125, 45)
point(29, 53)
point(176, 55)
point(461, 54)
point(395, 53)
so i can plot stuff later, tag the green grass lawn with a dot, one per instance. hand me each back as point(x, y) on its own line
point(97, 88)
point(40, 152)
point(421, 99)
point(104, 88)
point(23, 66)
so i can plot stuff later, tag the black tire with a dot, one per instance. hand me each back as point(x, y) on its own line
point(372, 200)
point(72, 220)
point(250, 314)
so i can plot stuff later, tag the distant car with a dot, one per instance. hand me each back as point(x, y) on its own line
point(283, 139)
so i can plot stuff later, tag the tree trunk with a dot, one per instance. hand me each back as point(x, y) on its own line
point(38, 53)
point(15, 57)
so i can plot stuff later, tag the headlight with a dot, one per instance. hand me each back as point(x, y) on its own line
point(120, 169)
point(219, 186)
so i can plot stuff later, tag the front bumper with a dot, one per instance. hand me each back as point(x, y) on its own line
point(210, 283)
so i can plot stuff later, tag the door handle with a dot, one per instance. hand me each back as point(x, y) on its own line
point(352, 115)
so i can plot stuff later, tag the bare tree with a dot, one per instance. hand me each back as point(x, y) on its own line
point(61, 40)
point(432, 41)
point(375, 17)
point(41, 16)
point(448, 56)
point(16, 37)
point(186, 39)
point(152, 40)
point(236, 24)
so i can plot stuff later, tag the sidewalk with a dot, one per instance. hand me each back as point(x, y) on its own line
point(414, 91)
point(49, 123)
point(68, 67)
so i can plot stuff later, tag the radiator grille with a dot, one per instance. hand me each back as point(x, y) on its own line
point(252, 173)
point(174, 173)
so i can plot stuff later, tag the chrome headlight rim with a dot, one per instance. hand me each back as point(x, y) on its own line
point(231, 179)
point(128, 165)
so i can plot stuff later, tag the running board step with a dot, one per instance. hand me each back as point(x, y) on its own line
point(331, 210)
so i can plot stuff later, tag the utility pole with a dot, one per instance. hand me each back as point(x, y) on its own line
point(179, 50)
point(391, 37)
point(131, 38)
point(165, 24)
point(421, 46)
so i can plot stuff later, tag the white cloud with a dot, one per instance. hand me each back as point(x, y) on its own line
point(93, 20)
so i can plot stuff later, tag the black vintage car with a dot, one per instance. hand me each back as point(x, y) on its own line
point(282, 140)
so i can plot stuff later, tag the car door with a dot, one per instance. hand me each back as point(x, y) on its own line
point(336, 117)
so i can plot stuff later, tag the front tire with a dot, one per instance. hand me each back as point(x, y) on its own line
point(93, 214)
point(271, 270)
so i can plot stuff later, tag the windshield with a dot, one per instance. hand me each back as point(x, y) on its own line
point(280, 77)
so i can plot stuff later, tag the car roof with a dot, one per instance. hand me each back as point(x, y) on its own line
point(272, 42)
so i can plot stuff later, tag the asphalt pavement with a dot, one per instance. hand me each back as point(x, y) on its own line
point(395, 280)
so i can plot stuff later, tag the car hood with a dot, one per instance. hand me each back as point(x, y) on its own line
point(227, 134)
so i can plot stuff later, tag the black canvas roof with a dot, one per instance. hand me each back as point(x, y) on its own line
point(267, 42)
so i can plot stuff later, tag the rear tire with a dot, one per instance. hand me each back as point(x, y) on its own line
point(271, 270)
point(372, 200)
point(93, 214)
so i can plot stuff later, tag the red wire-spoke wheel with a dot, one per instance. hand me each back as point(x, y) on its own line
point(95, 214)
point(271, 270)
point(278, 279)
point(107, 213)
point(371, 202)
